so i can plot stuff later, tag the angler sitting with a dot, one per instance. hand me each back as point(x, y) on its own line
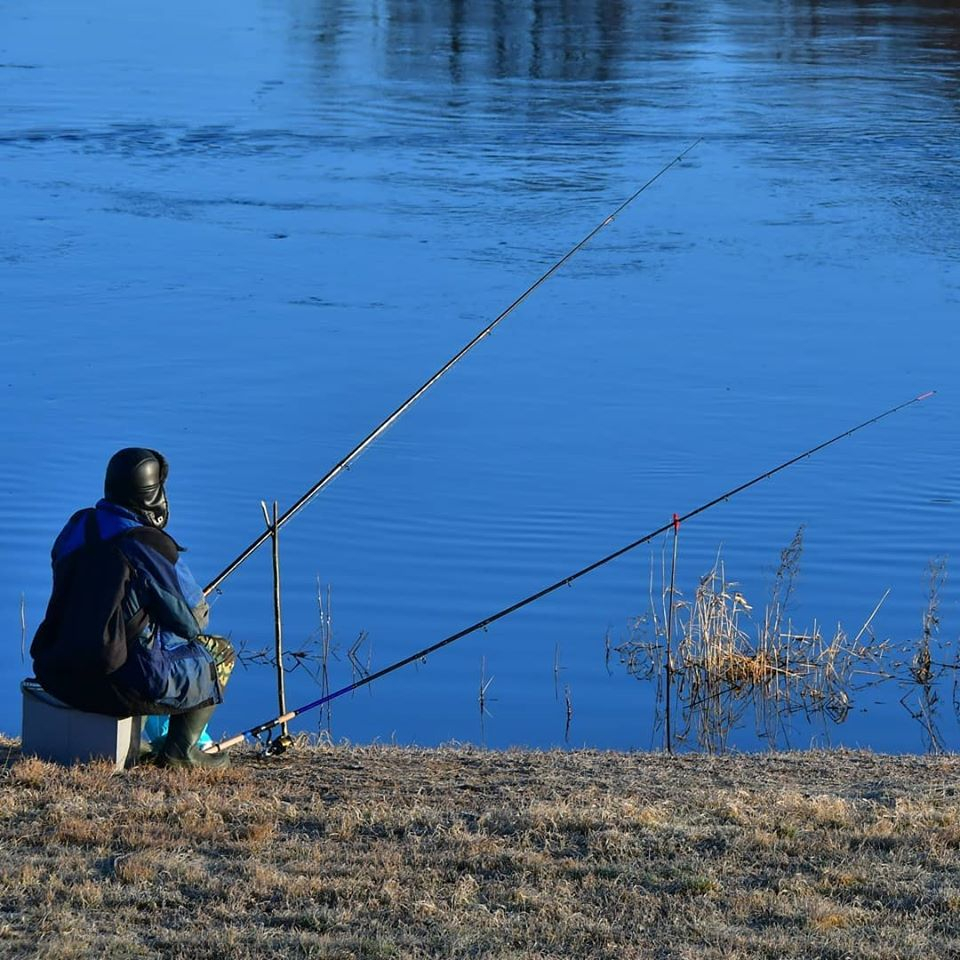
point(122, 632)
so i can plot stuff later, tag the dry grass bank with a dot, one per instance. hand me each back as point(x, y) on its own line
point(386, 852)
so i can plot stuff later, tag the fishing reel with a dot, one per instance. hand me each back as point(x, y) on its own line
point(276, 746)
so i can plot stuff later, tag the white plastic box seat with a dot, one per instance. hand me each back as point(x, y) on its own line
point(53, 730)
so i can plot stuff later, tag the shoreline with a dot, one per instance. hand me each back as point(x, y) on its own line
point(456, 851)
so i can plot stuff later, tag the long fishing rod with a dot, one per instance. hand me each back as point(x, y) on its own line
point(566, 581)
point(420, 391)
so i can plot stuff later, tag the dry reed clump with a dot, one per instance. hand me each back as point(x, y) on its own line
point(717, 663)
point(378, 852)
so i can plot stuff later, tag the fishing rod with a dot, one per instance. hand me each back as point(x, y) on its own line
point(673, 524)
point(420, 391)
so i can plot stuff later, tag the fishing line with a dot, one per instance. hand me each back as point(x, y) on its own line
point(566, 581)
point(420, 391)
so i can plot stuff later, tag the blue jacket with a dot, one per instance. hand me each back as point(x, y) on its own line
point(164, 669)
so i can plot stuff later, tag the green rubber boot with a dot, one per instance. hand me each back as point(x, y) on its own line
point(149, 749)
point(180, 750)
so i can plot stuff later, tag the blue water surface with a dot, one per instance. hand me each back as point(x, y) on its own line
point(243, 232)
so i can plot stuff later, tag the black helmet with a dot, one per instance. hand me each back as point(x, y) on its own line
point(135, 479)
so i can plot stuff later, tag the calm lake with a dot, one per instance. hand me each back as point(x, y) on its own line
point(242, 232)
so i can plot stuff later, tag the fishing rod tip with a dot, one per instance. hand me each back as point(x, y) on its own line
point(927, 395)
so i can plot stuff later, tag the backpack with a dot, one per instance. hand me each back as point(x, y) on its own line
point(84, 634)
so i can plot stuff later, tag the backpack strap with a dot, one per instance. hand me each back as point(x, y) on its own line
point(91, 529)
point(91, 532)
point(165, 546)
point(136, 623)
point(156, 539)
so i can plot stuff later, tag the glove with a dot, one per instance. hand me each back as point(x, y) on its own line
point(201, 613)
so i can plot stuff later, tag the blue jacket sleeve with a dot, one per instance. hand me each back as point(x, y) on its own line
point(191, 590)
point(158, 585)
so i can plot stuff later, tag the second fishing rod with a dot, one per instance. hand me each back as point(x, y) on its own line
point(673, 524)
point(387, 422)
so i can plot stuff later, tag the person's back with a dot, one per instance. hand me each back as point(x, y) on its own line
point(122, 633)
